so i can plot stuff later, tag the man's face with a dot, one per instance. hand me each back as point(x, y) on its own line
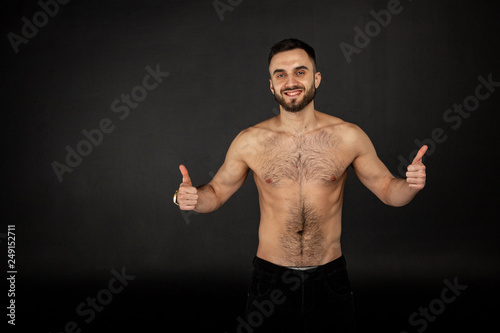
point(293, 79)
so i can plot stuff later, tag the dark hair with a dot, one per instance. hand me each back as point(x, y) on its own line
point(292, 44)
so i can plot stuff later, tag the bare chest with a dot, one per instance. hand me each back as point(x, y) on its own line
point(316, 157)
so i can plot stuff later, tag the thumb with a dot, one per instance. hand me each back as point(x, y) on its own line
point(185, 175)
point(420, 154)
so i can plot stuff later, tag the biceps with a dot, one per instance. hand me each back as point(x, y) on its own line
point(229, 178)
point(373, 173)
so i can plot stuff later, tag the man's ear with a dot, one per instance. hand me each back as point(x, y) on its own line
point(317, 79)
point(271, 86)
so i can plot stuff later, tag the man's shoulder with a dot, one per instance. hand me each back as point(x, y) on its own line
point(353, 138)
point(253, 134)
point(339, 126)
point(257, 131)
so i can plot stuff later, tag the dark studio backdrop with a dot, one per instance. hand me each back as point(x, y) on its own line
point(102, 100)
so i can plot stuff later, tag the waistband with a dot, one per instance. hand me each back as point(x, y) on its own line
point(265, 266)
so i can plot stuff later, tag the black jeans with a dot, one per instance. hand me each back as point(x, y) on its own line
point(282, 299)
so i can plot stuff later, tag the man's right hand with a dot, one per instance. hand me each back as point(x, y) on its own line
point(187, 197)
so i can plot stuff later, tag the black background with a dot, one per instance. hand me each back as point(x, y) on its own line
point(114, 210)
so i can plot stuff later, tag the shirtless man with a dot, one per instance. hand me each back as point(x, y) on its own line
point(299, 160)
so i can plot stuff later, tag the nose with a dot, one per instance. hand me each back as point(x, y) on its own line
point(291, 82)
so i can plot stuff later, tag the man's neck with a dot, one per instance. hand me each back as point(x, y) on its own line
point(297, 122)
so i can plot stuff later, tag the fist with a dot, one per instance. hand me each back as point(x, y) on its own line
point(415, 175)
point(187, 197)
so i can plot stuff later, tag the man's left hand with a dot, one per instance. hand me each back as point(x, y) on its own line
point(415, 175)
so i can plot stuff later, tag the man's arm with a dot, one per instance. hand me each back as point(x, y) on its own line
point(229, 178)
point(377, 178)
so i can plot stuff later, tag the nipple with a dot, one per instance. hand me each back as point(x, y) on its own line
point(332, 178)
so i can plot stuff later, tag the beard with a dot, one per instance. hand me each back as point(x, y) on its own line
point(294, 105)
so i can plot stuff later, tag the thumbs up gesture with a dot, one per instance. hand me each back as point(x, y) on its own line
point(415, 175)
point(187, 195)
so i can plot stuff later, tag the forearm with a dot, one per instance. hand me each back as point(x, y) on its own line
point(399, 193)
point(207, 199)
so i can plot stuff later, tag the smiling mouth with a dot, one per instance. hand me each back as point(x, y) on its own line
point(292, 93)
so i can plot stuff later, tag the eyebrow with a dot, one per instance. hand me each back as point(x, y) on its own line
point(279, 70)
